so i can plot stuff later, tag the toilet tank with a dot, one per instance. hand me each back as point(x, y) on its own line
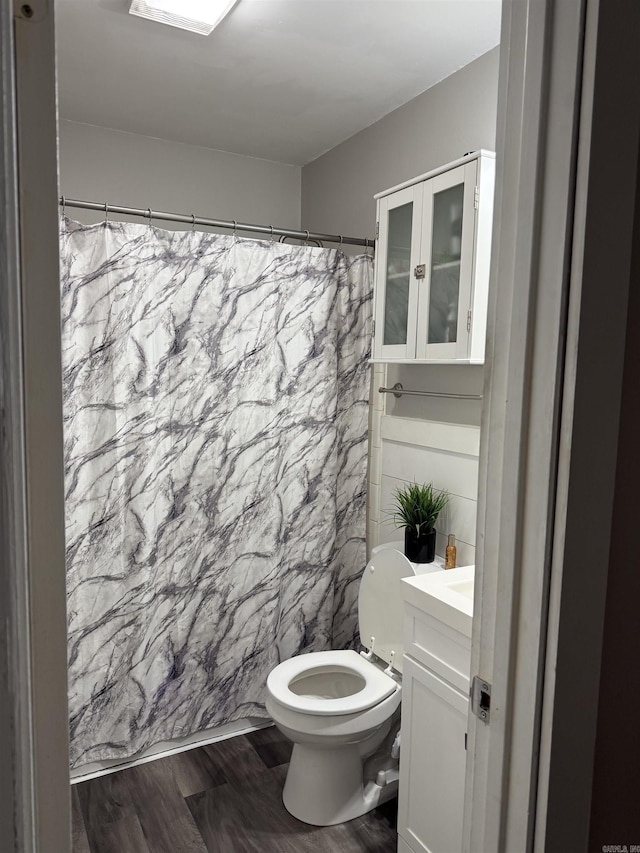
point(380, 604)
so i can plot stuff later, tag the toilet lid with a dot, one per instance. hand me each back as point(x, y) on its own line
point(380, 604)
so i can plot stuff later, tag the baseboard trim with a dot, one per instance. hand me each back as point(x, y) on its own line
point(241, 727)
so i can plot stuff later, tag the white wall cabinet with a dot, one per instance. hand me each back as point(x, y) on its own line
point(432, 264)
point(435, 705)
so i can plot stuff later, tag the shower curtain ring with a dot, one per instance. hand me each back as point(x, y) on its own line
point(193, 222)
point(234, 229)
point(64, 204)
point(106, 212)
point(340, 239)
point(306, 238)
point(271, 236)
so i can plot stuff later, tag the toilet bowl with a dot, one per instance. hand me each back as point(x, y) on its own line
point(337, 706)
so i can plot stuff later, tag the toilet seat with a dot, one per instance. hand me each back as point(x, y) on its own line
point(376, 686)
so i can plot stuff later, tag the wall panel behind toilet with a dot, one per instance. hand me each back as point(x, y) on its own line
point(444, 454)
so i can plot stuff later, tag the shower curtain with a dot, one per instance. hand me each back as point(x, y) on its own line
point(215, 415)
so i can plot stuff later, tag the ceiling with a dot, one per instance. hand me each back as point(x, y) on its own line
point(283, 80)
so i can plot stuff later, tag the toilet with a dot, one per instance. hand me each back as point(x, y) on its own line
point(337, 707)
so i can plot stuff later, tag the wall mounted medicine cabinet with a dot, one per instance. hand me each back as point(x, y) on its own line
point(432, 265)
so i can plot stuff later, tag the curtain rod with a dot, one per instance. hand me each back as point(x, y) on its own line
point(191, 219)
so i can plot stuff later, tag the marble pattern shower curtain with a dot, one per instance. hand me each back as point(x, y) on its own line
point(215, 413)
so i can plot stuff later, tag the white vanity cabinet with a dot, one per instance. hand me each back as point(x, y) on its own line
point(432, 264)
point(435, 704)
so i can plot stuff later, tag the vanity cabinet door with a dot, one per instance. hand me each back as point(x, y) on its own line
point(444, 295)
point(400, 217)
point(432, 762)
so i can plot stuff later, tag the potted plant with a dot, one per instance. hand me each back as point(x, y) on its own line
point(417, 509)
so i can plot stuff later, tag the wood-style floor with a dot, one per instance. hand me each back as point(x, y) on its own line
point(223, 798)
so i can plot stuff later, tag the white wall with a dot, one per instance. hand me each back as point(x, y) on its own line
point(409, 449)
point(450, 119)
point(454, 117)
point(439, 378)
point(447, 463)
point(100, 164)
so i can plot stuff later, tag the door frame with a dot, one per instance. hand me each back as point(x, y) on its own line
point(34, 800)
point(554, 348)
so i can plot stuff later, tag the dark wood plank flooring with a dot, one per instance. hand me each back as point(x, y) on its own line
point(223, 798)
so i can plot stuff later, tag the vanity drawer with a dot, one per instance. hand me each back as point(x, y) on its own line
point(442, 649)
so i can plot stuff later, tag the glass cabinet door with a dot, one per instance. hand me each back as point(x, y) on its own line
point(444, 297)
point(446, 245)
point(397, 256)
point(397, 275)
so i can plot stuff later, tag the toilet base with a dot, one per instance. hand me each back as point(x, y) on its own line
point(325, 786)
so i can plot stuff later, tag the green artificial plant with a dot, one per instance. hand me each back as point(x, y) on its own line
point(418, 507)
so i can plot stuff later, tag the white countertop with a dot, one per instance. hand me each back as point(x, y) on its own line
point(445, 595)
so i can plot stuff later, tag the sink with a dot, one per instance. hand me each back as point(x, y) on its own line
point(445, 595)
point(463, 588)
